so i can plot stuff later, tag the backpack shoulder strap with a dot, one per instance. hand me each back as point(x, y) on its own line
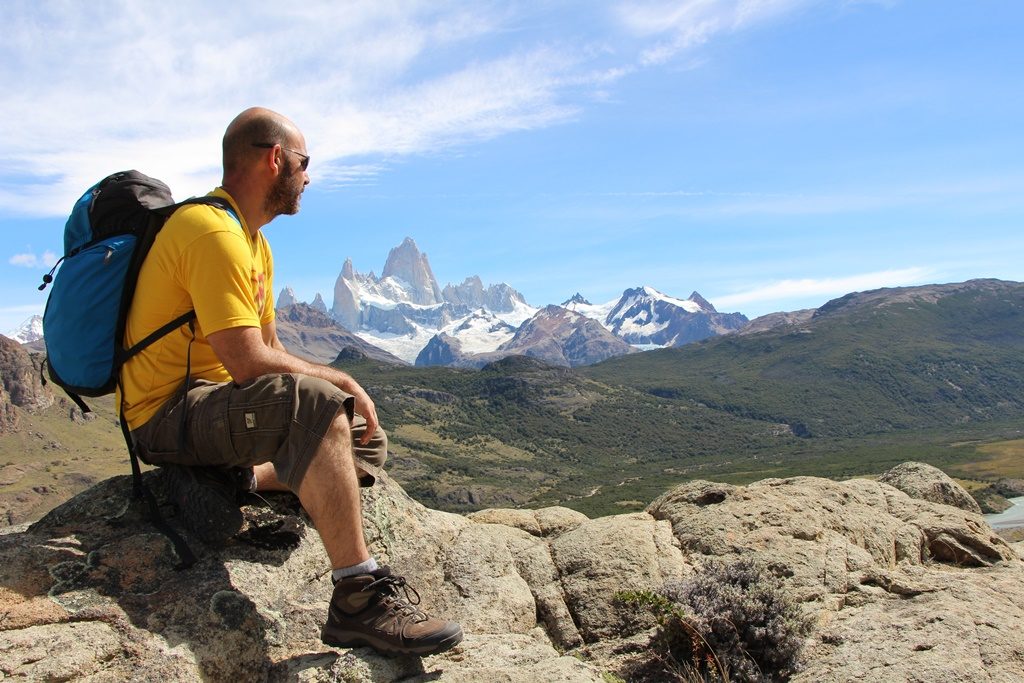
point(219, 202)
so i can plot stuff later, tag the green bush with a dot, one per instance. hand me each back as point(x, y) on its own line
point(728, 622)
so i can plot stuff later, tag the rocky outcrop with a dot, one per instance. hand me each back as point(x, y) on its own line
point(471, 295)
point(920, 480)
point(319, 304)
point(286, 298)
point(442, 349)
point(347, 303)
point(643, 315)
point(772, 320)
point(554, 335)
point(20, 384)
point(902, 588)
point(29, 331)
point(898, 588)
point(412, 268)
point(575, 299)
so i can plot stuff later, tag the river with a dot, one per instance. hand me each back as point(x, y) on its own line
point(1013, 517)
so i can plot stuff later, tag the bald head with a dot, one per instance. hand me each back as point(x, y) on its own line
point(252, 127)
point(265, 164)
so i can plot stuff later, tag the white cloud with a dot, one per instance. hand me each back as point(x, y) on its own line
point(682, 26)
point(95, 88)
point(785, 291)
point(92, 90)
point(30, 260)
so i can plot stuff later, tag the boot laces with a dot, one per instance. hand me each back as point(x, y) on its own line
point(396, 602)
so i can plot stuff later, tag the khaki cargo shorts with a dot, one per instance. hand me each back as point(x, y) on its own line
point(279, 418)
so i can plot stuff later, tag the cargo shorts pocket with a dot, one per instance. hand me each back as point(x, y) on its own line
point(259, 417)
point(206, 441)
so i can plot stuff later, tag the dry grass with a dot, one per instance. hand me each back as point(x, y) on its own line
point(51, 457)
point(483, 448)
point(997, 460)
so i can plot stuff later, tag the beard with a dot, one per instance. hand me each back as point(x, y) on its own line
point(283, 198)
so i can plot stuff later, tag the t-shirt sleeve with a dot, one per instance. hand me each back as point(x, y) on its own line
point(216, 269)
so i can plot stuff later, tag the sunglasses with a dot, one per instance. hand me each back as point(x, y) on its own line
point(304, 164)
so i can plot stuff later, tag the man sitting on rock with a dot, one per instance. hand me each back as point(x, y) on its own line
point(254, 416)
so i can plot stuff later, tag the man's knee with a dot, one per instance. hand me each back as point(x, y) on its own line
point(320, 418)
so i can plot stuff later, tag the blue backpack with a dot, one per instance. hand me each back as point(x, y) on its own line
point(107, 237)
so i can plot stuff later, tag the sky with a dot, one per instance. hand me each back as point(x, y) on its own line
point(768, 154)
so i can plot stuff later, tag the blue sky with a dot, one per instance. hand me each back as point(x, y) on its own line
point(769, 154)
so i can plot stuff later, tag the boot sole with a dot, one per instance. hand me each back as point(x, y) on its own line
point(202, 510)
point(350, 639)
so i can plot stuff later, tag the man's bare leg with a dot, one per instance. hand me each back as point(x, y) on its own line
point(329, 492)
point(266, 478)
point(371, 607)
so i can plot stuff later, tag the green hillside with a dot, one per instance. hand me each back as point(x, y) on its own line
point(872, 381)
point(919, 358)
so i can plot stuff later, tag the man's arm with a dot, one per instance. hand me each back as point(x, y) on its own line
point(269, 332)
point(249, 352)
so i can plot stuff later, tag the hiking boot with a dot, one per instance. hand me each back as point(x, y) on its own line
point(379, 609)
point(207, 499)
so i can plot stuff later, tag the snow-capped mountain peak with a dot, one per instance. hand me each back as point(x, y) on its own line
point(29, 331)
point(575, 300)
point(646, 317)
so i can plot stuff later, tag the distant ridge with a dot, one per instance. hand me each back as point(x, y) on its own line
point(877, 361)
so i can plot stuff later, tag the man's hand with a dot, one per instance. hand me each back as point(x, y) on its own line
point(364, 406)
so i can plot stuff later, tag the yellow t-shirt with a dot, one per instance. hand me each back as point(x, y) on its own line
point(202, 260)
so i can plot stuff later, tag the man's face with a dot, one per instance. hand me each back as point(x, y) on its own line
point(284, 195)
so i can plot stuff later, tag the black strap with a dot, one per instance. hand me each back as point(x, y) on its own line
point(189, 317)
point(72, 395)
point(183, 428)
point(219, 202)
point(186, 558)
point(185, 555)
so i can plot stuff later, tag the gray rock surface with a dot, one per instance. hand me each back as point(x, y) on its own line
point(286, 298)
point(644, 315)
point(899, 588)
point(471, 294)
point(561, 337)
point(920, 480)
point(772, 320)
point(411, 266)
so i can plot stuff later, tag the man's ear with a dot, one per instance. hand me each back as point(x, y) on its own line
point(272, 160)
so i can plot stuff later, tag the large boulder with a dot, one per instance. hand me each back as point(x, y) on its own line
point(921, 480)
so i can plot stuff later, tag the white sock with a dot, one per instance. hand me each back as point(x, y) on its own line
point(356, 569)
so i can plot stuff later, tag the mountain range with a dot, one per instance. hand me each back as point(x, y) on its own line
point(405, 316)
point(405, 312)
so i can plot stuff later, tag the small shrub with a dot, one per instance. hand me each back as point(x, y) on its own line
point(678, 651)
point(728, 622)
